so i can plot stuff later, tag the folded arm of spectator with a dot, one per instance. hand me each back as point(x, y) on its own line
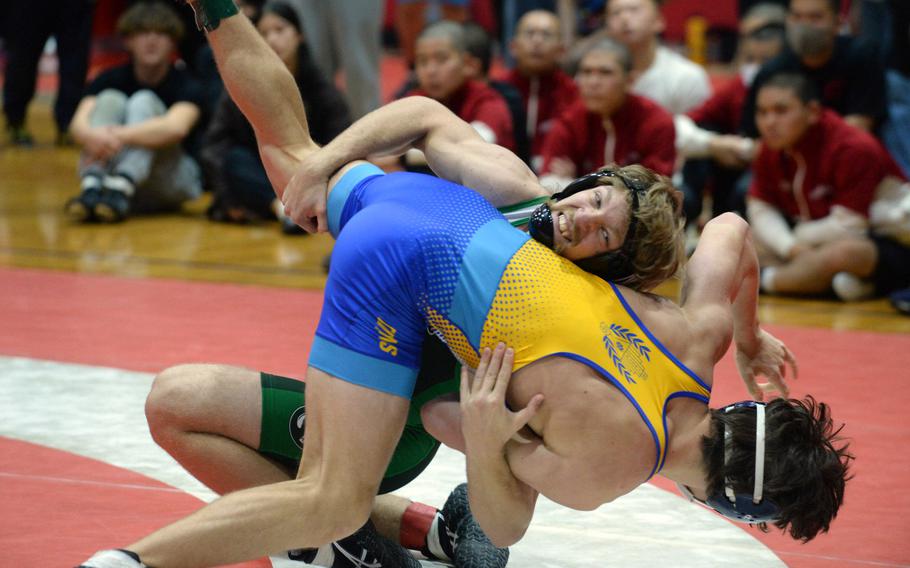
point(770, 228)
point(841, 223)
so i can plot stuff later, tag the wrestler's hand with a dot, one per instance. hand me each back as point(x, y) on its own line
point(487, 423)
point(304, 197)
point(769, 359)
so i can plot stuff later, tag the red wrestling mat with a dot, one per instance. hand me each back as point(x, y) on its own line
point(45, 491)
point(149, 324)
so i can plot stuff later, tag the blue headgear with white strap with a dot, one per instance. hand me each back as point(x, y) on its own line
point(742, 507)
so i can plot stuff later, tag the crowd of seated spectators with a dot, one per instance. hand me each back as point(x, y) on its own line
point(806, 132)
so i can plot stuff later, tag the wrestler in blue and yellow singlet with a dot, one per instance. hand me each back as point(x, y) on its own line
point(416, 251)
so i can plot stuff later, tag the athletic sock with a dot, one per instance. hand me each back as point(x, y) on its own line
point(90, 181)
point(121, 183)
point(421, 526)
point(767, 278)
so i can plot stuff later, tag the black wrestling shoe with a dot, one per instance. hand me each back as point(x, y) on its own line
point(363, 549)
point(473, 548)
point(113, 559)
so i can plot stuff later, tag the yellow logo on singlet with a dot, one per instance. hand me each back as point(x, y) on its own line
point(387, 341)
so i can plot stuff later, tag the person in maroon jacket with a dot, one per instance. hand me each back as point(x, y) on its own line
point(609, 125)
point(815, 179)
point(545, 89)
point(442, 75)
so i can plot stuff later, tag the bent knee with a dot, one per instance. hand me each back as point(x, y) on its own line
point(175, 393)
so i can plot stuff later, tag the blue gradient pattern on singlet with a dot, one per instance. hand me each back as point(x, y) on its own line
point(400, 257)
point(443, 239)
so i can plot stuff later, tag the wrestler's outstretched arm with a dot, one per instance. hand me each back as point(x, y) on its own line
point(265, 91)
point(720, 298)
point(452, 147)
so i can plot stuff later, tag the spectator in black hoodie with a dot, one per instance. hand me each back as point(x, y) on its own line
point(230, 156)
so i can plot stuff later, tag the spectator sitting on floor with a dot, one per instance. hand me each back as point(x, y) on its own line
point(136, 124)
point(242, 191)
point(815, 181)
point(444, 75)
point(545, 88)
point(608, 125)
point(848, 74)
point(708, 137)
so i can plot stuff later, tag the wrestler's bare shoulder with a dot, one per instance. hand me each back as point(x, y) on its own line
point(591, 424)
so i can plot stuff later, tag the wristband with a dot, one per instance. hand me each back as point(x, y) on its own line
point(209, 13)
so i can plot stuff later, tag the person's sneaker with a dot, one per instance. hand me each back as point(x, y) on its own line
point(20, 136)
point(82, 207)
point(473, 548)
point(850, 288)
point(366, 548)
point(901, 301)
point(114, 203)
point(113, 206)
point(113, 559)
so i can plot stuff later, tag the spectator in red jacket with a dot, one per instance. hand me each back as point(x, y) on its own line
point(443, 75)
point(546, 90)
point(609, 125)
point(814, 181)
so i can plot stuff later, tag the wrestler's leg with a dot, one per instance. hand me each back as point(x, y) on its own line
point(209, 419)
point(351, 433)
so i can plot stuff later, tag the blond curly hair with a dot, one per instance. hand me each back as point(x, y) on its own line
point(657, 252)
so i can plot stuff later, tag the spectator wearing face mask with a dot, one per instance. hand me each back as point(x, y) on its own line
point(846, 72)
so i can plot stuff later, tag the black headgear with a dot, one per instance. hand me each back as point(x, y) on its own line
point(615, 266)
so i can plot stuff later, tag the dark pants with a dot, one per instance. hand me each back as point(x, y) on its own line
point(28, 26)
point(246, 182)
point(728, 188)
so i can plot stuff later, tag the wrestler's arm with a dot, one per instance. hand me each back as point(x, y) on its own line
point(501, 503)
point(266, 93)
point(452, 147)
point(720, 300)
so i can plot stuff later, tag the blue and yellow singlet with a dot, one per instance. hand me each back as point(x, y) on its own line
point(415, 251)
